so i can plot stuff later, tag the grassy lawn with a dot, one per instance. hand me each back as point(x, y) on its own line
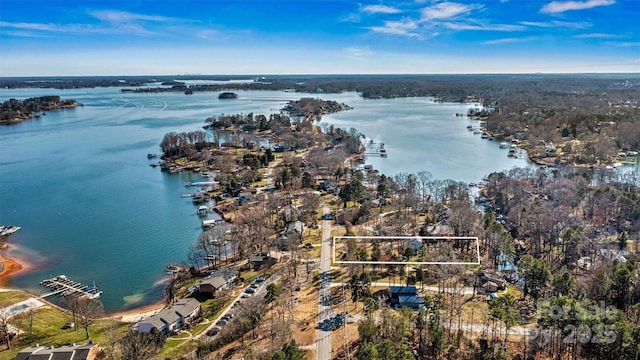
point(174, 349)
point(47, 328)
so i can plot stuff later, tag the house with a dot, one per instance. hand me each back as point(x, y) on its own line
point(259, 260)
point(329, 187)
point(291, 236)
point(290, 213)
point(611, 255)
point(176, 316)
point(216, 281)
point(441, 228)
point(405, 296)
point(87, 351)
point(413, 243)
point(491, 281)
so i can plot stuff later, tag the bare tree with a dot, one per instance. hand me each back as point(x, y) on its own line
point(136, 345)
point(5, 316)
point(88, 310)
point(71, 304)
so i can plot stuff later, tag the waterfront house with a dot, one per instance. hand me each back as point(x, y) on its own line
point(87, 351)
point(176, 316)
point(405, 296)
point(259, 260)
point(216, 281)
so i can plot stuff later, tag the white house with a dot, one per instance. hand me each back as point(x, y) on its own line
point(174, 317)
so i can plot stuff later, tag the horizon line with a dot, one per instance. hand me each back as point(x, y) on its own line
point(325, 74)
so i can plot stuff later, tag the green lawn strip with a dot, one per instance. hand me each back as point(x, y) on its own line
point(12, 297)
point(176, 349)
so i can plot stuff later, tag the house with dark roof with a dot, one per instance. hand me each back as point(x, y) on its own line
point(216, 281)
point(259, 260)
point(87, 351)
point(176, 316)
point(405, 296)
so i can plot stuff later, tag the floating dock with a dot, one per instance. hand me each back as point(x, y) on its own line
point(375, 149)
point(61, 285)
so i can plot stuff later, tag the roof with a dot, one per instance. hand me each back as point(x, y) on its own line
point(410, 299)
point(184, 307)
point(295, 226)
point(216, 282)
point(226, 273)
point(172, 314)
point(403, 290)
point(66, 352)
point(257, 257)
point(168, 315)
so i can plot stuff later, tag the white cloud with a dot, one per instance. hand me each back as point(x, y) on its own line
point(402, 27)
point(130, 22)
point(562, 6)
point(507, 41)
point(28, 29)
point(483, 27)
point(446, 10)
point(358, 53)
point(598, 36)
point(38, 26)
point(115, 16)
point(502, 41)
point(208, 34)
point(380, 9)
point(556, 23)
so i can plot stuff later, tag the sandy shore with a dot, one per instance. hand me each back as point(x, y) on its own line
point(9, 266)
point(137, 314)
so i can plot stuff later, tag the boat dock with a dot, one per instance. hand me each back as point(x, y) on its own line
point(61, 285)
point(375, 149)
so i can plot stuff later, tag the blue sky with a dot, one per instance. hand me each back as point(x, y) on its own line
point(158, 37)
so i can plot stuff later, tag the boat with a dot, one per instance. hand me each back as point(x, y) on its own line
point(469, 127)
point(504, 145)
point(196, 169)
point(8, 230)
point(94, 295)
point(151, 156)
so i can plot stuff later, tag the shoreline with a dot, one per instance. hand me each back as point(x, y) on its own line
point(10, 266)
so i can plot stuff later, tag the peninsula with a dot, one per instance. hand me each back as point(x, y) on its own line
point(13, 111)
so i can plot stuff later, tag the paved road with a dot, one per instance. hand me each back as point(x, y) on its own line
point(260, 292)
point(323, 343)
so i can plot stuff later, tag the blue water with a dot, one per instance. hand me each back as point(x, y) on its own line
point(78, 182)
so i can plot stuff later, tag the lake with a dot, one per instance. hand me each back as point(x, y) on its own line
point(78, 182)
